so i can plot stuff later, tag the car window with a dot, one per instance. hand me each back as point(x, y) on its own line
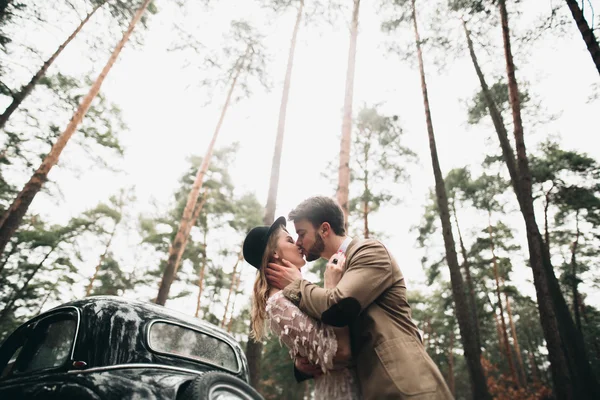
point(48, 347)
point(184, 342)
point(11, 363)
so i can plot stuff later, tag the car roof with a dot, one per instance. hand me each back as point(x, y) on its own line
point(158, 311)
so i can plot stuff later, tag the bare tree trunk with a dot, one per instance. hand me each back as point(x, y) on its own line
point(461, 306)
point(237, 285)
point(507, 350)
point(344, 168)
point(276, 164)
point(546, 227)
point(574, 282)
point(201, 275)
point(231, 287)
point(534, 369)
point(513, 331)
point(366, 199)
point(469, 279)
point(12, 218)
point(451, 384)
point(588, 34)
point(88, 290)
point(20, 96)
point(551, 303)
point(178, 244)
point(571, 372)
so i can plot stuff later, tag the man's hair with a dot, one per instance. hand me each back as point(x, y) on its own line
point(320, 209)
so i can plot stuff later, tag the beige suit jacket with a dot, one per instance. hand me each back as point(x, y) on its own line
point(371, 299)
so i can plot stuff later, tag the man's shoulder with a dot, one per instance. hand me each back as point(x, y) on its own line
point(361, 244)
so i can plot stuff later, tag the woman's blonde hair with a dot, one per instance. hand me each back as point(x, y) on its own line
point(260, 294)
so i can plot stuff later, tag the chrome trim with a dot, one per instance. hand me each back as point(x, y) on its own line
point(133, 366)
point(196, 329)
point(230, 388)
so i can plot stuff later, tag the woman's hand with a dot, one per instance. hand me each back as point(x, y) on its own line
point(334, 270)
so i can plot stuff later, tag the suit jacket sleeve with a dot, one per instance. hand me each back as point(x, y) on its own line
point(368, 274)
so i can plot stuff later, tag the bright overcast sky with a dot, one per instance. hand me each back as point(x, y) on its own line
point(169, 120)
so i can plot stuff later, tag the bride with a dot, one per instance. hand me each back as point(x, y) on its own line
point(321, 344)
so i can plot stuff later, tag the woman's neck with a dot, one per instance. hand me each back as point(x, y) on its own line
point(273, 290)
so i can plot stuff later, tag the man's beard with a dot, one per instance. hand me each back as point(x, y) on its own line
point(314, 253)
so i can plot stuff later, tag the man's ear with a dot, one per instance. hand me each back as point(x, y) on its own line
point(325, 229)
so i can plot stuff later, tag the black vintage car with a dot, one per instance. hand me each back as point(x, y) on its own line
point(110, 348)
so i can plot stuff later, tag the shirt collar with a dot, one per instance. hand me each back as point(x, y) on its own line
point(344, 246)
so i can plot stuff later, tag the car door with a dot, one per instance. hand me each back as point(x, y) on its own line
point(35, 359)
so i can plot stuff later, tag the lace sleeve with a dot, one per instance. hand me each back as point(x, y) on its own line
point(302, 334)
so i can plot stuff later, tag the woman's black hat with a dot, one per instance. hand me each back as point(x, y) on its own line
point(256, 242)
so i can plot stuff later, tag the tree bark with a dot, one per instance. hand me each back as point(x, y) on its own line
point(574, 282)
point(240, 258)
point(201, 277)
point(571, 371)
point(237, 285)
point(88, 290)
point(507, 350)
point(513, 332)
point(546, 226)
point(467, 330)
point(469, 279)
point(276, 163)
point(586, 33)
point(551, 303)
point(178, 245)
point(366, 199)
point(12, 218)
point(22, 94)
point(451, 384)
point(344, 167)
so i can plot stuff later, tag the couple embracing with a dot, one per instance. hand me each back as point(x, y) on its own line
point(355, 336)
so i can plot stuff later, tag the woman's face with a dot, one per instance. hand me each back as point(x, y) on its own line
point(287, 249)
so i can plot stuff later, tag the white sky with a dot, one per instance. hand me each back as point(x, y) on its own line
point(168, 119)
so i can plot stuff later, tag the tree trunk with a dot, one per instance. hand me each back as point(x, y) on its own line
point(344, 167)
point(276, 163)
point(12, 251)
point(588, 34)
point(178, 245)
point(571, 370)
point(451, 384)
point(235, 291)
point(12, 218)
point(546, 226)
point(534, 370)
point(574, 282)
point(587, 322)
point(201, 276)
point(507, 350)
point(366, 198)
point(551, 303)
point(469, 279)
point(88, 290)
point(240, 258)
point(513, 332)
point(20, 96)
point(467, 330)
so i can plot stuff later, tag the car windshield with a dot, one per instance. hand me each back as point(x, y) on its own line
point(184, 342)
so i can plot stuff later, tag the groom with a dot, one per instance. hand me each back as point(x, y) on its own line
point(370, 298)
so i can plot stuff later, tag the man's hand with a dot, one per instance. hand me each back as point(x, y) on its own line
point(307, 368)
point(280, 276)
point(334, 270)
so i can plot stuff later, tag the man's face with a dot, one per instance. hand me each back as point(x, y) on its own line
point(309, 240)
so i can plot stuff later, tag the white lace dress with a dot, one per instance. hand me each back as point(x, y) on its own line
point(304, 336)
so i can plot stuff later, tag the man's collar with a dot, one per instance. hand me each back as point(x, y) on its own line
point(344, 246)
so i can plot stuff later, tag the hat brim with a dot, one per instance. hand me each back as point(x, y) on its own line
point(278, 222)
